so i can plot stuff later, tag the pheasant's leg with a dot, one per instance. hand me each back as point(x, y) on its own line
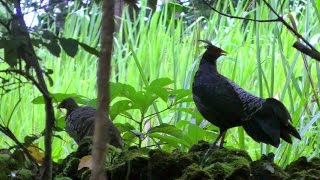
point(222, 139)
point(221, 134)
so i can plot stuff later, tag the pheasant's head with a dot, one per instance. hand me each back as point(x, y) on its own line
point(68, 103)
point(213, 52)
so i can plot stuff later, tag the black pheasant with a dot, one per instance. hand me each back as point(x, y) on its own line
point(80, 122)
point(226, 105)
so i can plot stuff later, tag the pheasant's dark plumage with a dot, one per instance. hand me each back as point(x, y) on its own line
point(226, 105)
point(80, 122)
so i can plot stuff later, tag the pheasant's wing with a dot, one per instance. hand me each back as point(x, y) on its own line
point(221, 97)
point(80, 122)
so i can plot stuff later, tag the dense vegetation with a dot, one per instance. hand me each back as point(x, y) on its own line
point(154, 59)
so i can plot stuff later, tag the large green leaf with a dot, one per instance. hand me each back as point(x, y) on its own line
point(120, 107)
point(179, 94)
point(161, 82)
point(142, 100)
point(173, 141)
point(69, 45)
point(167, 129)
point(121, 90)
point(126, 127)
point(60, 123)
point(58, 97)
point(194, 114)
point(157, 87)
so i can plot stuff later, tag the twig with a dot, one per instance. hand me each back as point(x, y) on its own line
point(306, 50)
point(289, 27)
point(237, 17)
point(8, 132)
point(167, 108)
point(27, 76)
point(314, 52)
point(14, 108)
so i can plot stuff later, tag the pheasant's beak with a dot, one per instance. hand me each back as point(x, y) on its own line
point(223, 53)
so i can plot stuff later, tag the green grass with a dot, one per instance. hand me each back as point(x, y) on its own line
point(260, 59)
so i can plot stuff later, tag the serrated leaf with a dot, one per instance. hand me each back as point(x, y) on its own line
point(90, 49)
point(167, 129)
point(69, 45)
point(53, 47)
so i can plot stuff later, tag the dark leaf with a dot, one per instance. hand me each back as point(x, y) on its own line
point(10, 56)
point(53, 47)
point(48, 35)
point(30, 139)
point(90, 49)
point(69, 45)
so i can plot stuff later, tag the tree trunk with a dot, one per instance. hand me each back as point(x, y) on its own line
point(103, 76)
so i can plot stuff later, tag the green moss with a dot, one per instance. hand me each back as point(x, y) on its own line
point(304, 169)
point(62, 178)
point(195, 172)
point(24, 174)
point(265, 168)
point(7, 161)
point(202, 147)
point(235, 168)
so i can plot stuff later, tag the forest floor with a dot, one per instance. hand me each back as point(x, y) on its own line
point(136, 163)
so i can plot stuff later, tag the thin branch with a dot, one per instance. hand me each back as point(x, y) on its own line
point(289, 27)
point(13, 110)
point(167, 108)
point(27, 76)
point(8, 132)
point(237, 17)
point(306, 50)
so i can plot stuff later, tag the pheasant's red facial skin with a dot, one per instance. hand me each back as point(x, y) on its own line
point(215, 51)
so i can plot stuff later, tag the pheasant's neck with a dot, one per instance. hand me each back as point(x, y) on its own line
point(208, 66)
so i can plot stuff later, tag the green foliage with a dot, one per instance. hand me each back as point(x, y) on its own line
point(260, 59)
